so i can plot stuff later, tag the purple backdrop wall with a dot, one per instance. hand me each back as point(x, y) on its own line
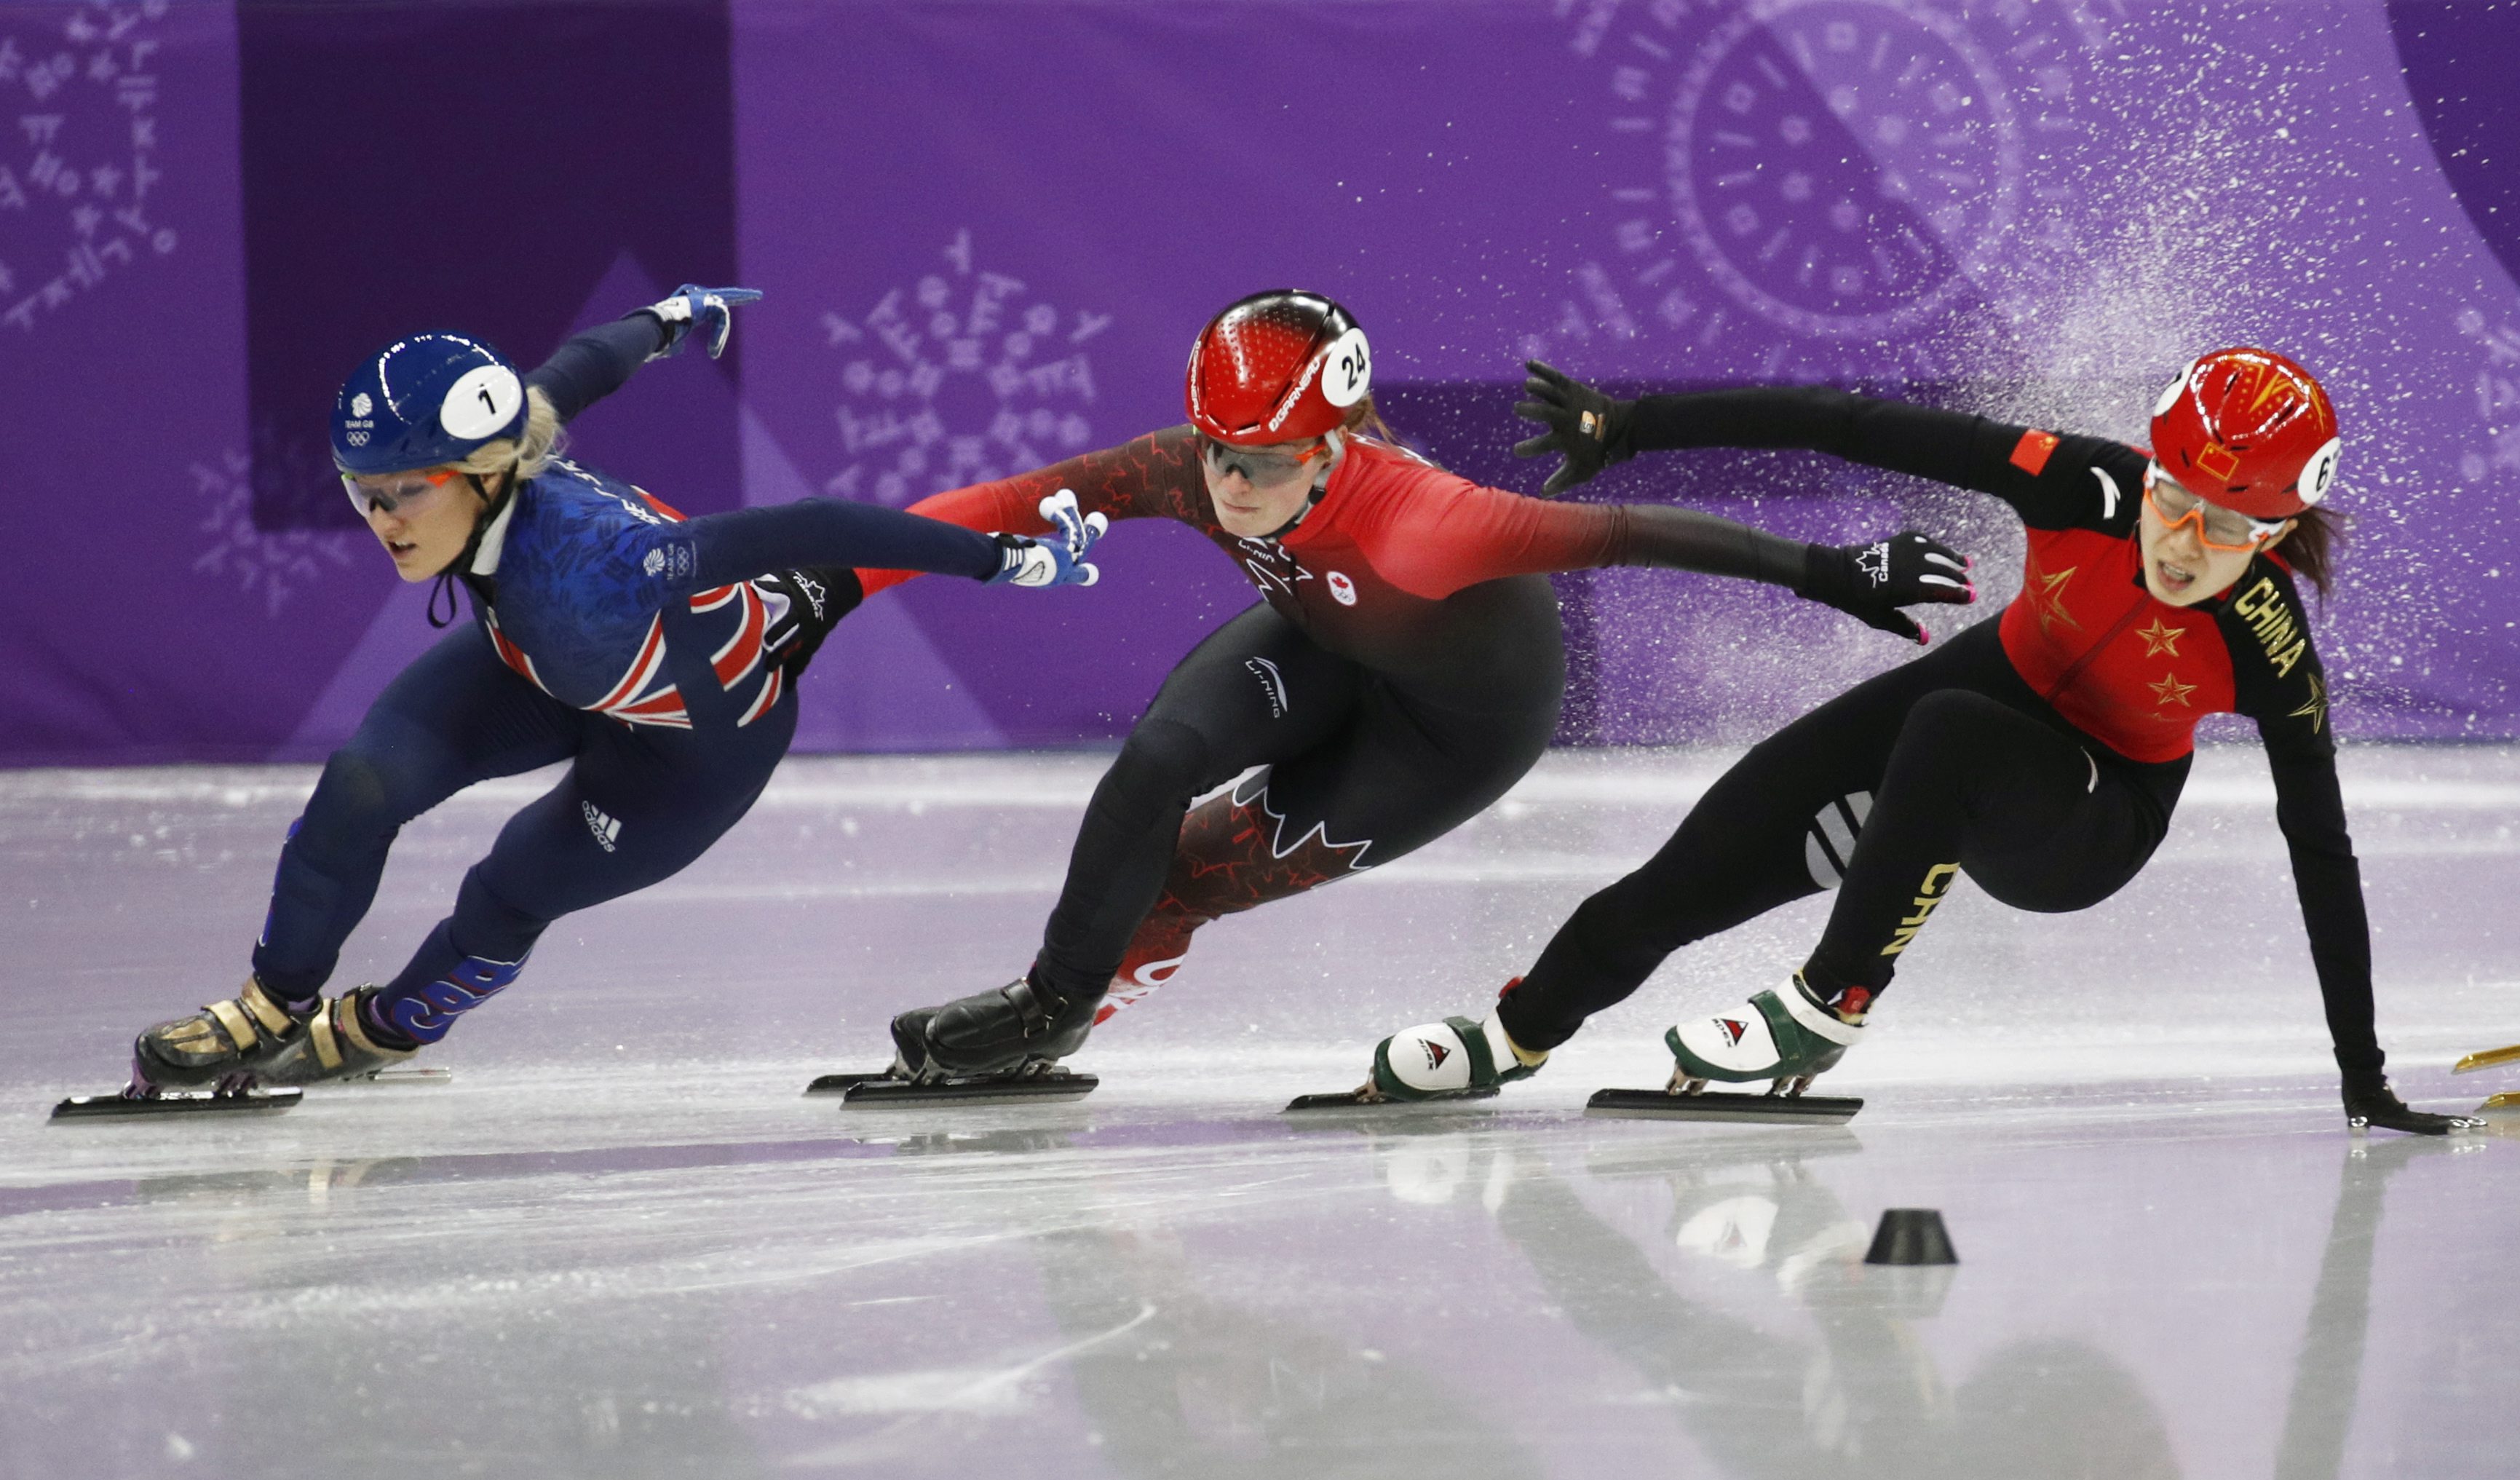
point(988, 228)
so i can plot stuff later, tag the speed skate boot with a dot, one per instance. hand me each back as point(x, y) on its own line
point(1788, 1037)
point(1020, 1028)
point(1453, 1059)
point(338, 1043)
point(227, 1045)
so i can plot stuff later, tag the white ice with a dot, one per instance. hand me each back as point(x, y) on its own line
point(621, 1244)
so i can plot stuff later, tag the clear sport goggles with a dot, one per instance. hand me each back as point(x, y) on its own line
point(2219, 527)
point(1261, 467)
point(398, 493)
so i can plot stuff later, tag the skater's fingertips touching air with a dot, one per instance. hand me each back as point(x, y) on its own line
point(2041, 753)
point(658, 655)
point(1403, 668)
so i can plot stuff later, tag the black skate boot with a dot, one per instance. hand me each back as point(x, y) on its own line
point(991, 1046)
point(226, 1044)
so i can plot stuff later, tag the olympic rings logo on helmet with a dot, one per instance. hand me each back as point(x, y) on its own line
point(423, 401)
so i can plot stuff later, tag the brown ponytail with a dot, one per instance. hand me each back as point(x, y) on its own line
point(2311, 548)
point(1362, 417)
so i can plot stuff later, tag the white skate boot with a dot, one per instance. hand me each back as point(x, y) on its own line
point(1785, 1036)
point(1453, 1059)
point(1789, 1037)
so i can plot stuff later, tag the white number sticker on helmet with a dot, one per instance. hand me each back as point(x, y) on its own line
point(1347, 372)
point(2319, 474)
point(2169, 393)
point(483, 402)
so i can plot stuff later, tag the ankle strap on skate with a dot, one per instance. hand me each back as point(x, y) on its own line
point(340, 1020)
point(1799, 1006)
point(1031, 1008)
point(247, 1011)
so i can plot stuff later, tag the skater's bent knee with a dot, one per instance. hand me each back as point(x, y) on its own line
point(1953, 715)
point(1167, 757)
point(354, 798)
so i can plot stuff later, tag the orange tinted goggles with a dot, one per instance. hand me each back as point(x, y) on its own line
point(393, 493)
point(2220, 528)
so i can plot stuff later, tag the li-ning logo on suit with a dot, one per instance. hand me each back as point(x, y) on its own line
point(1273, 684)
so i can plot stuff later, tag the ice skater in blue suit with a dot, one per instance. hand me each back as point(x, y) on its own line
point(657, 655)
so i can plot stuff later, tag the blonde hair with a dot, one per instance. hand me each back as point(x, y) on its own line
point(529, 454)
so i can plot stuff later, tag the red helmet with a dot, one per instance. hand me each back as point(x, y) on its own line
point(2250, 430)
point(1277, 367)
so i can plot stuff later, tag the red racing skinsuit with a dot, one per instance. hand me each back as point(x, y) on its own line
point(1404, 668)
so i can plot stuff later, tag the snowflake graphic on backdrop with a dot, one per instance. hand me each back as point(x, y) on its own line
point(959, 378)
point(78, 168)
point(277, 566)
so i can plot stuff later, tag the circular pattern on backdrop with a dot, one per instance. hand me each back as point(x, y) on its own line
point(962, 377)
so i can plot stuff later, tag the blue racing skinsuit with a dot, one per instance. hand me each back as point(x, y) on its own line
point(657, 655)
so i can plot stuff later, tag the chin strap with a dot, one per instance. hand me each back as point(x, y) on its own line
point(1338, 444)
point(454, 568)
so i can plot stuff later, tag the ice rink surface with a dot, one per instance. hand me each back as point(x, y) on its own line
point(621, 1244)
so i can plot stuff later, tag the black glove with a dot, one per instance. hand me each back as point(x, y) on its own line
point(1872, 582)
point(2369, 1101)
point(1588, 427)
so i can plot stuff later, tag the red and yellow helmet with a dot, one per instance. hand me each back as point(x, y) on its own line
point(2248, 429)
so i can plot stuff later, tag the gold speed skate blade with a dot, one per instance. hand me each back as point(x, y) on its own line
point(842, 1084)
point(2487, 1059)
point(1313, 1104)
point(173, 1102)
point(1008, 1089)
point(1751, 1109)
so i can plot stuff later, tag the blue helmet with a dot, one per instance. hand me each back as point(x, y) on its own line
point(425, 401)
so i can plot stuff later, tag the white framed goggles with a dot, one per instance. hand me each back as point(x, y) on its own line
point(2220, 528)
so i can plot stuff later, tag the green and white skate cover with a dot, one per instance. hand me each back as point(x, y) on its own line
point(1438, 1059)
point(1776, 1034)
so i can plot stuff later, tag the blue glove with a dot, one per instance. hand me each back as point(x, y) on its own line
point(706, 311)
point(1057, 558)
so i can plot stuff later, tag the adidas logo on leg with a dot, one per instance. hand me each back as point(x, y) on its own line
point(606, 828)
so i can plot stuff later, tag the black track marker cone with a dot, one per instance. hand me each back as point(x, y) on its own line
point(1911, 1236)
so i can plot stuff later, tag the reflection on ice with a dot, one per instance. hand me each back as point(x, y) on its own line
point(619, 1243)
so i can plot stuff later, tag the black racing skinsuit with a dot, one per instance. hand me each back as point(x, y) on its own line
point(2040, 751)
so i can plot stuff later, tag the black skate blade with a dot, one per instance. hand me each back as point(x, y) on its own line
point(840, 1084)
point(1314, 1103)
point(1754, 1109)
point(173, 1102)
point(1025, 1088)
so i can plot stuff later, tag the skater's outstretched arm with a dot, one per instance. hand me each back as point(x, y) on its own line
point(596, 363)
point(601, 361)
point(2279, 683)
point(1155, 476)
point(1431, 533)
point(717, 549)
point(2049, 477)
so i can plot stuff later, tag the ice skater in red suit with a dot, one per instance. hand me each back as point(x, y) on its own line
point(1403, 668)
